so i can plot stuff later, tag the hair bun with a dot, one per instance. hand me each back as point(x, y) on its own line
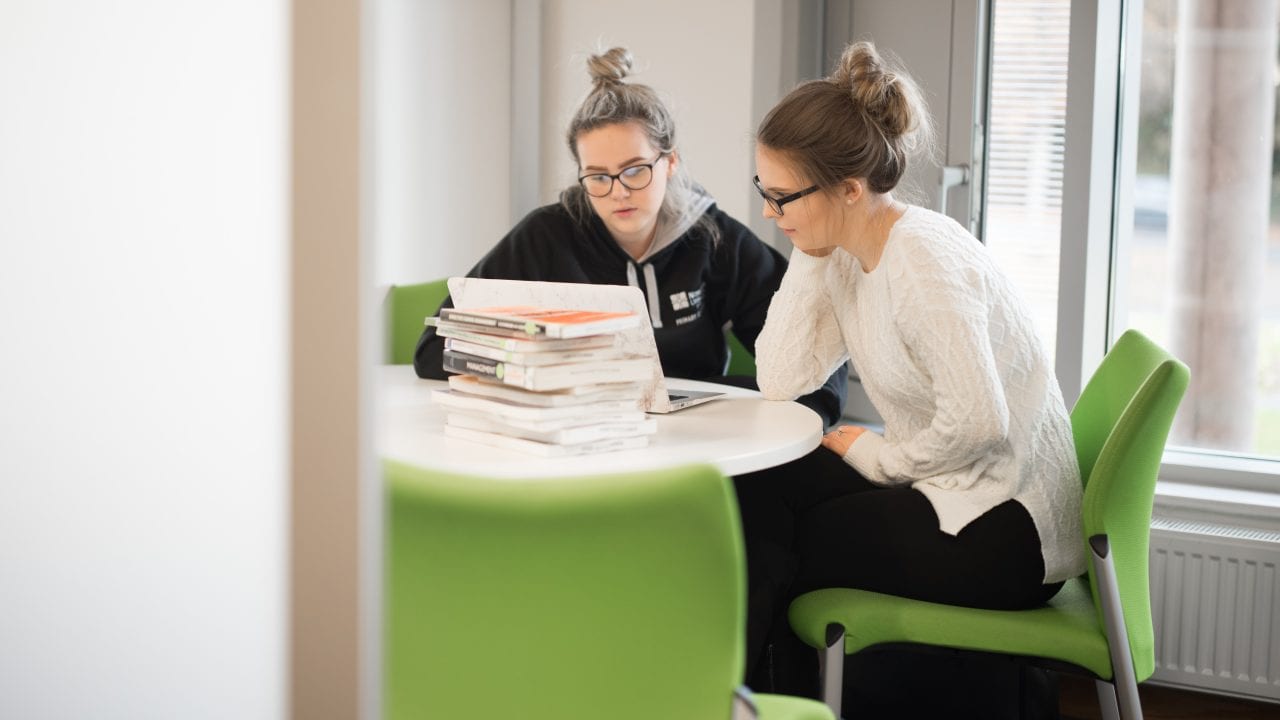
point(875, 87)
point(859, 63)
point(609, 67)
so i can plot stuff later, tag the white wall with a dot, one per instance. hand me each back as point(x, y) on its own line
point(697, 55)
point(442, 114)
point(143, 240)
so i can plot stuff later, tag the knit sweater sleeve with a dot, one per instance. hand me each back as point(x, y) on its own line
point(800, 345)
point(940, 312)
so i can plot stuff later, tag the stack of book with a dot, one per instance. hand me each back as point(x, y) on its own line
point(547, 382)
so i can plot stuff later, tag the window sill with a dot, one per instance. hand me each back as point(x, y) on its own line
point(1221, 505)
point(1218, 487)
point(1221, 470)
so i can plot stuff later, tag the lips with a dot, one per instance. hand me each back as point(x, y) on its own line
point(625, 212)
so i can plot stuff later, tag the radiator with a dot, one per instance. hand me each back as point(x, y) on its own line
point(1215, 603)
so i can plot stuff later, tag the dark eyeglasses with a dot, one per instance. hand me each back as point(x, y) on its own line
point(636, 177)
point(776, 203)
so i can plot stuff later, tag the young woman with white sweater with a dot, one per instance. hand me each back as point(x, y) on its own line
point(971, 496)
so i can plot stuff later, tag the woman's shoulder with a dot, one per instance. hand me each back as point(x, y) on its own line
point(554, 216)
point(920, 223)
point(922, 235)
point(930, 253)
point(547, 224)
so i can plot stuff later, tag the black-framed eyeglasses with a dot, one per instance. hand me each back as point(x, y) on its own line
point(636, 177)
point(776, 203)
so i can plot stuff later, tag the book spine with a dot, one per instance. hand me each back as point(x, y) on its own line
point(548, 377)
point(553, 357)
point(527, 413)
point(473, 386)
point(554, 377)
point(497, 342)
point(528, 327)
point(522, 344)
point(489, 353)
point(464, 364)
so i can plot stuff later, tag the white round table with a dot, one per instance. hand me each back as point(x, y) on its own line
point(738, 433)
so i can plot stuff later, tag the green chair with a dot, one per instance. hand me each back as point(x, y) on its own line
point(1099, 624)
point(741, 362)
point(615, 597)
point(407, 307)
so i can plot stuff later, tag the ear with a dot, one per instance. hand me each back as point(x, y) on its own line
point(673, 162)
point(852, 190)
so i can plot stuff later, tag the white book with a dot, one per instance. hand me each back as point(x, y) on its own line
point(606, 428)
point(454, 400)
point(533, 359)
point(541, 321)
point(546, 449)
point(548, 377)
point(516, 344)
point(576, 395)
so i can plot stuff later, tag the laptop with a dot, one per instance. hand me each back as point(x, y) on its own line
point(658, 398)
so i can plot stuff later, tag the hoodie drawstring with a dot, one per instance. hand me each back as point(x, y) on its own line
point(651, 287)
point(651, 280)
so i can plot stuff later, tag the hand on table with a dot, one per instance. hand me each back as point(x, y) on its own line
point(839, 440)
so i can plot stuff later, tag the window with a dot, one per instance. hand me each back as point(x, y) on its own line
point(1164, 216)
point(1028, 108)
point(1196, 264)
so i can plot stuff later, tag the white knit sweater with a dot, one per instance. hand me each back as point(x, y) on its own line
point(946, 351)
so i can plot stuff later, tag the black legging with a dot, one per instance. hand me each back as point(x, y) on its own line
point(816, 523)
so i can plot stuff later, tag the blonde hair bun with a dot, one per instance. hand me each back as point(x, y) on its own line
point(887, 95)
point(866, 120)
point(610, 66)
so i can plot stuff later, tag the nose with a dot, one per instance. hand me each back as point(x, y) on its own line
point(619, 191)
point(767, 212)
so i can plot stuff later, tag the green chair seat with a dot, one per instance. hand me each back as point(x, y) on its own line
point(1066, 629)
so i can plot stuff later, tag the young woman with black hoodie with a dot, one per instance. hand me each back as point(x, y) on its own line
point(635, 218)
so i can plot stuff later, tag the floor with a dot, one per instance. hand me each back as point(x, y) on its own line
point(1078, 701)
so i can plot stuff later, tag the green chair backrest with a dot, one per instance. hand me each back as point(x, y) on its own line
point(741, 362)
point(1120, 425)
point(407, 307)
point(618, 596)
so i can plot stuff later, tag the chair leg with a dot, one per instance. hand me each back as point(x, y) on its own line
point(1127, 696)
point(1107, 700)
point(743, 707)
point(832, 668)
point(1125, 687)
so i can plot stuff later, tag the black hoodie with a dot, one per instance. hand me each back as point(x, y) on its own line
point(696, 287)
